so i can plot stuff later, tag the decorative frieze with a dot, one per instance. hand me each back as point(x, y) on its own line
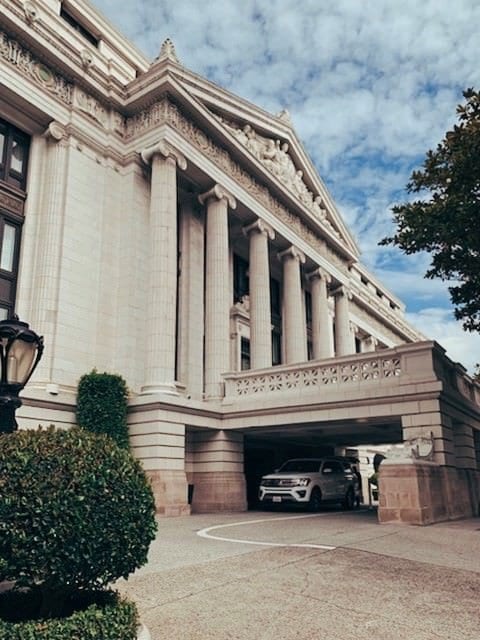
point(90, 106)
point(13, 204)
point(13, 53)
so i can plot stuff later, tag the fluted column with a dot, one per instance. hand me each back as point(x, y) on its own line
point(162, 291)
point(321, 322)
point(260, 312)
point(49, 246)
point(217, 289)
point(344, 339)
point(294, 326)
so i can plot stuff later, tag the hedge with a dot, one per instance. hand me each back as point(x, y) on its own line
point(102, 405)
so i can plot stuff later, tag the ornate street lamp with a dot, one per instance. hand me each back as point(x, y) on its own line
point(20, 352)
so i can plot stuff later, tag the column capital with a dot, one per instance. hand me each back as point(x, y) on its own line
point(259, 226)
point(55, 132)
point(319, 273)
point(292, 252)
point(164, 149)
point(218, 192)
point(342, 290)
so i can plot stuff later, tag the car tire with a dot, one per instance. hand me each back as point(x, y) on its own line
point(349, 500)
point(315, 502)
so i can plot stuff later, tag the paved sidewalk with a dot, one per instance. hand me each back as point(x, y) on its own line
point(387, 582)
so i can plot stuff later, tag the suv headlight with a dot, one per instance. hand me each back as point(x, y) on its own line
point(302, 482)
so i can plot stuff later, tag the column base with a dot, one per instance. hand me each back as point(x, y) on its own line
point(218, 491)
point(168, 388)
point(170, 492)
point(423, 493)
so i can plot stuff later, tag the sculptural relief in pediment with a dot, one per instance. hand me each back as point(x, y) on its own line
point(273, 154)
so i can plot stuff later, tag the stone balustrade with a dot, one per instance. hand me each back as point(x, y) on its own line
point(405, 364)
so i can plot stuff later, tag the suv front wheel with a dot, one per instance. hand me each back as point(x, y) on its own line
point(315, 501)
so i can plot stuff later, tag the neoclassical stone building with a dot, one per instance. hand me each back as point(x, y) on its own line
point(157, 226)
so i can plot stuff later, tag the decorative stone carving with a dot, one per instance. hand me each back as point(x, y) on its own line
point(90, 106)
point(167, 51)
point(55, 131)
point(86, 58)
point(11, 203)
point(31, 11)
point(273, 154)
point(285, 116)
point(166, 150)
point(219, 193)
point(259, 226)
point(13, 53)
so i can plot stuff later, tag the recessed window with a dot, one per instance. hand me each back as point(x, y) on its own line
point(73, 22)
point(244, 354)
point(241, 285)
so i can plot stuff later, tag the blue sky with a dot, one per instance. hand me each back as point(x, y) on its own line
point(370, 85)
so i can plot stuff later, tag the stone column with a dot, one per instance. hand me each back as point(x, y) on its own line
point(191, 297)
point(321, 322)
point(217, 289)
point(344, 339)
point(162, 292)
point(260, 313)
point(49, 246)
point(294, 326)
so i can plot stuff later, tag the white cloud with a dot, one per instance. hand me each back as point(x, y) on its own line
point(370, 85)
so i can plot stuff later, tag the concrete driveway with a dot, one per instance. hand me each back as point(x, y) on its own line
point(332, 575)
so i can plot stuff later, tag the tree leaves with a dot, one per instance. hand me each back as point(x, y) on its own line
point(446, 221)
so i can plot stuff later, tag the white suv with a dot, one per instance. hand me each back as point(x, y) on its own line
point(311, 481)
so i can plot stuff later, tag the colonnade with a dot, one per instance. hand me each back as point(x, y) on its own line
point(165, 161)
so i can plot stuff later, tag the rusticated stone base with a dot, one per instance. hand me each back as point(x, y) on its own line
point(219, 491)
point(423, 493)
point(170, 491)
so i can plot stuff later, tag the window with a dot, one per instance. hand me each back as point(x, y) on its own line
point(14, 145)
point(244, 354)
point(14, 148)
point(308, 308)
point(73, 22)
point(241, 285)
point(9, 248)
point(275, 300)
point(276, 347)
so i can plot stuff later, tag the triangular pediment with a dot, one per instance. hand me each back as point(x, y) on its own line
point(267, 141)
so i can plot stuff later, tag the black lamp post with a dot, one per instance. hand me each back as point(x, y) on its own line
point(20, 352)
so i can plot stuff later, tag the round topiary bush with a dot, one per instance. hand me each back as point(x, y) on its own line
point(76, 512)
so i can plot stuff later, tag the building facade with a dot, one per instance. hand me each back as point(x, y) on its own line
point(157, 226)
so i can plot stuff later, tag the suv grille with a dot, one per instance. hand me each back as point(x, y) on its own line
point(279, 482)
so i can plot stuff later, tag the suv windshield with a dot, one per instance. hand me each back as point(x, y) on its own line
point(303, 466)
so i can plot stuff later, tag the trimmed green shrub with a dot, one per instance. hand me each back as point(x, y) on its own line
point(102, 405)
point(102, 615)
point(76, 512)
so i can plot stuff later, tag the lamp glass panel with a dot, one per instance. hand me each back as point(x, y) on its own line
point(21, 357)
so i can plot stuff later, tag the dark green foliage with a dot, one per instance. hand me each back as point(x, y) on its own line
point(445, 221)
point(76, 512)
point(102, 405)
point(102, 616)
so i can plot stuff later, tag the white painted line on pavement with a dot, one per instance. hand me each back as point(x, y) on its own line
point(205, 533)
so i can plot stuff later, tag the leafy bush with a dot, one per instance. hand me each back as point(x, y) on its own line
point(76, 512)
point(106, 616)
point(102, 405)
